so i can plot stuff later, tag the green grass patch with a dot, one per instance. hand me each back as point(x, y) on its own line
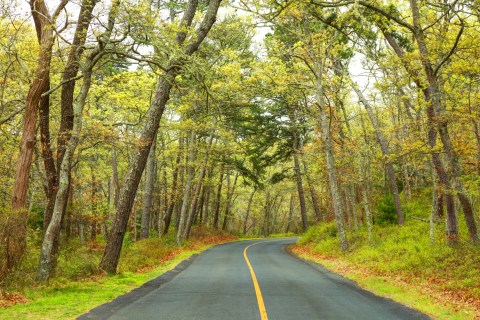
point(77, 285)
point(399, 262)
point(65, 299)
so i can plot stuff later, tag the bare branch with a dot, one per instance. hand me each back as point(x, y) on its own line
point(452, 50)
point(13, 114)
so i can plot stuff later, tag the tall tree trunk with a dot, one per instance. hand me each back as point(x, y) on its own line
point(247, 214)
point(150, 173)
point(386, 153)
point(187, 190)
point(197, 191)
point(219, 198)
point(93, 200)
point(230, 192)
point(16, 241)
point(114, 244)
point(434, 210)
point(181, 181)
point(48, 256)
point(208, 191)
point(114, 188)
point(67, 95)
point(351, 198)
point(163, 201)
point(290, 214)
point(366, 208)
point(266, 215)
point(318, 69)
point(435, 101)
point(298, 178)
point(311, 188)
point(43, 21)
point(432, 100)
point(174, 192)
point(127, 194)
point(318, 59)
point(69, 74)
point(48, 158)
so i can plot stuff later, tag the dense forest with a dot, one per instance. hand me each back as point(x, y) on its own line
point(124, 120)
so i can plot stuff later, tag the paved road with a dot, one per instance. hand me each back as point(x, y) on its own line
point(219, 284)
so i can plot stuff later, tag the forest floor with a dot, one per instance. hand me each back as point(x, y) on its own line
point(400, 263)
point(78, 288)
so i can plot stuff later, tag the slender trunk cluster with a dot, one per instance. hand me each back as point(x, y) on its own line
point(162, 94)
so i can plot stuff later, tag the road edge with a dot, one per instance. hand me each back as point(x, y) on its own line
point(107, 309)
point(351, 283)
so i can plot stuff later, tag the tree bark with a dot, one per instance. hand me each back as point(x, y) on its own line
point(230, 192)
point(16, 243)
point(197, 191)
point(114, 189)
point(247, 214)
point(48, 158)
point(93, 200)
point(150, 173)
point(174, 192)
point(219, 198)
point(299, 181)
point(68, 77)
point(43, 22)
point(290, 215)
point(186, 191)
point(48, 256)
point(313, 194)
point(368, 215)
point(67, 93)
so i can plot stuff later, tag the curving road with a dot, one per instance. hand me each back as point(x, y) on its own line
point(219, 284)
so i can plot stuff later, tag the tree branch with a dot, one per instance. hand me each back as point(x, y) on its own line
point(452, 51)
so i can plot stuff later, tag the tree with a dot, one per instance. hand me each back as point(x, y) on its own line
point(48, 253)
point(127, 194)
point(43, 21)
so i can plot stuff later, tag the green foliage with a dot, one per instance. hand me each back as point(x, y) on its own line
point(143, 253)
point(406, 252)
point(64, 299)
point(386, 208)
point(35, 220)
point(318, 233)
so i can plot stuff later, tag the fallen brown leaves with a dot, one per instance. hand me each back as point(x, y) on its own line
point(8, 299)
point(201, 237)
point(433, 286)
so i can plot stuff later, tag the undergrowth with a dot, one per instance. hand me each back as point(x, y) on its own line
point(405, 253)
point(78, 265)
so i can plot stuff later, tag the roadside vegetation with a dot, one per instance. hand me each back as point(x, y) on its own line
point(124, 122)
point(78, 287)
point(402, 263)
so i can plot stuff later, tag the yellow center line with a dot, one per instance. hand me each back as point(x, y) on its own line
point(258, 292)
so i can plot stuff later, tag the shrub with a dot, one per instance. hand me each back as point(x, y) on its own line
point(319, 232)
point(386, 208)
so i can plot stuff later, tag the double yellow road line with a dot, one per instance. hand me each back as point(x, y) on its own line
point(258, 292)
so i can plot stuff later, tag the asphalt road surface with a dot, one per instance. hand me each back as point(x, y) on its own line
point(254, 279)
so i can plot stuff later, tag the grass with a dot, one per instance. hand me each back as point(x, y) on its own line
point(69, 300)
point(400, 263)
point(70, 295)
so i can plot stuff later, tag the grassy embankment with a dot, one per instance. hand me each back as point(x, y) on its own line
point(400, 263)
point(78, 287)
